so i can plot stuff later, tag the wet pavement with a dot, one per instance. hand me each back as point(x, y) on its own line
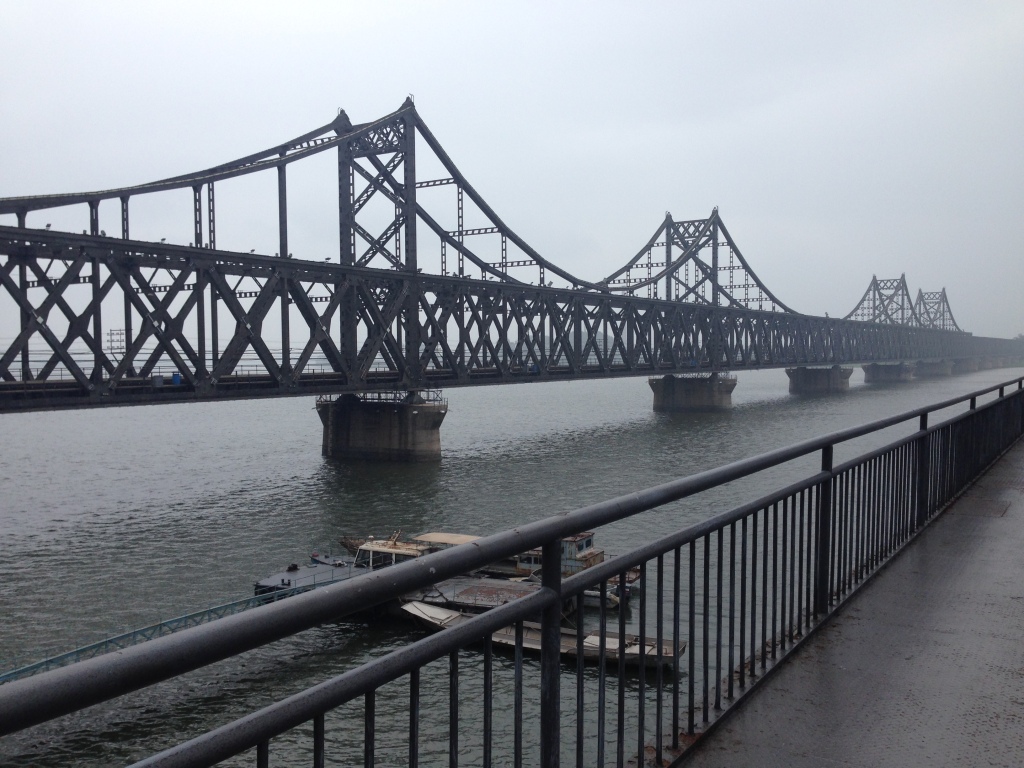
point(925, 667)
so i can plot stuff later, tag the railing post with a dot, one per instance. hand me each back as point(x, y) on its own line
point(550, 649)
point(318, 741)
point(1020, 400)
point(823, 538)
point(923, 470)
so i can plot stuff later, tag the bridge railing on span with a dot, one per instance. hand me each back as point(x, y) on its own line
point(720, 604)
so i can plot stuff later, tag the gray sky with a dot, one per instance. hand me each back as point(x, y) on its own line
point(839, 140)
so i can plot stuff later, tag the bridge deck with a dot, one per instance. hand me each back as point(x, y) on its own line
point(924, 667)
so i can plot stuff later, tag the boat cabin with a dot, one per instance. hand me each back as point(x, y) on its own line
point(379, 553)
point(578, 554)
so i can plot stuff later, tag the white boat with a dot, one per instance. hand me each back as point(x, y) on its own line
point(577, 554)
point(370, 555)
point(374, 553)
point(634, 648)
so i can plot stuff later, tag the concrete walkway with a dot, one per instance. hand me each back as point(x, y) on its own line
point(925, 667)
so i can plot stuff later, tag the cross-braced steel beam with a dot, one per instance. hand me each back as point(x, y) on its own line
point(401, 331)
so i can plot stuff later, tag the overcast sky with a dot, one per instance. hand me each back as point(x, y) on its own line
point(839, 140)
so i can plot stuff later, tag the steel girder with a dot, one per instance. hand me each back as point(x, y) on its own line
point(207, 315)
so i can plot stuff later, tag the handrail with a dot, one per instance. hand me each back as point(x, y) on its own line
point(275, 719)
point(835, 578)
point(577, 583)
point(28, 702)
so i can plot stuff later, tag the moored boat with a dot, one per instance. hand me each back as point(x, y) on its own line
point(577, 554)
point(472, 594)
point(369, 555)
point(301, 578)
point(633, 649)
point(377, 553)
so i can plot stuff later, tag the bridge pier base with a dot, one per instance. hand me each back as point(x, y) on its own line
point(810, 381)
point(931, 369)
point(407, 429)
point(965, 365)
point(692, 392)
point(878, 373)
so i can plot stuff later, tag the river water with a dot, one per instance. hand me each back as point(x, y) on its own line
point(114, 519)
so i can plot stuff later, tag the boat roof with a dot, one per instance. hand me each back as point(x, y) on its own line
point(578, 536)
point(453, 539)
point(386, 545)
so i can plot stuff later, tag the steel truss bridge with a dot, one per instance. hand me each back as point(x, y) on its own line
point(432, 289)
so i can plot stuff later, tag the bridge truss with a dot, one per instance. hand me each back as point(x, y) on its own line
point(93, 320)
point(888, 301)
point(932, 309)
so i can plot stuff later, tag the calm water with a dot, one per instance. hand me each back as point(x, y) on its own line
point(115, 519)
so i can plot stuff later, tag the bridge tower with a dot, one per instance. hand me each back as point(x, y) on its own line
point(402, 424)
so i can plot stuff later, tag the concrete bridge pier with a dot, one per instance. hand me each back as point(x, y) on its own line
point(810, 381)
point(394, 427)
point(965, 365)
point(879, 373)
point(692, 392)
point(931, 369)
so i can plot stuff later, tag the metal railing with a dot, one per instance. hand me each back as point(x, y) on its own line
point(740, 591)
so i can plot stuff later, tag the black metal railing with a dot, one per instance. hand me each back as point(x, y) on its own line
point(739, 591)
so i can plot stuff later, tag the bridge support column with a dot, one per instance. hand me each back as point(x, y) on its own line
point(810, 381)
point(406, 429)
point(878, 373)
point(692, 392)
point(965, 365)
point(931, 369)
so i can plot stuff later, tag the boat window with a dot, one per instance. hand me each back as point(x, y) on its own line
point(380, 560)
point(403, 558)
point(587, 544)
point(362, 559)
